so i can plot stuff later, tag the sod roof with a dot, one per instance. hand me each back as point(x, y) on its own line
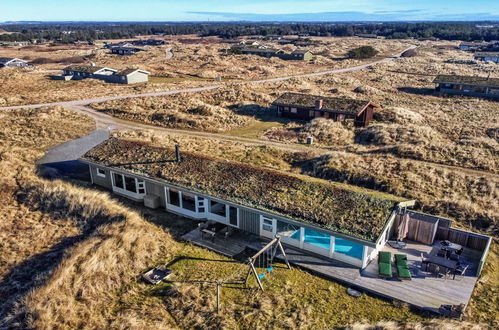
point(342, 208)
point(343, 104)
point(472, 80)
point(85, 68)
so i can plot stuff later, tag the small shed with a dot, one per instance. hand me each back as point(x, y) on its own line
point(131, 76)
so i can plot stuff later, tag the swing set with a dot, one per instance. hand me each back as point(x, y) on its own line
point(263, 260)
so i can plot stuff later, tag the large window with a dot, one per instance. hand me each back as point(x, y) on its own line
point(118, 181)
point(233, 220)
point(173, 197)
point(268, 225)
point(129, 184)
point(288, 230)
point(317, 239)
point(218, 208)
point(188, 202)
point(348, 248)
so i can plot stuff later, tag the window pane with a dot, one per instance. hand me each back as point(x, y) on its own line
point(233, 215)
point(130, 184)
point(289, 230)
point(348, 248)
point(317, 238)
point(118, 180)
point(173, 197)
point(268, 225)
point(188, 202)
point(217, 208)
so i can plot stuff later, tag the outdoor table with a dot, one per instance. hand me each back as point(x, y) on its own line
point(443, 262)
point(213, 229)
point(449, 246)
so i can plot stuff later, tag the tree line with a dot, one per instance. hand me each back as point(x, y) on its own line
point(71, 32)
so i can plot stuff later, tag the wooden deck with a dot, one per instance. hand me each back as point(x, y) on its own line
point(424, 291)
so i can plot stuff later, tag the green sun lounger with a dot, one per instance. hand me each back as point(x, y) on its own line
point(385, 264)
point(402, 268)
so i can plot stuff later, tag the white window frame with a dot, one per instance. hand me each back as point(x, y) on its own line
point(237, 216)
point(100, 172)
point(139, 184)
point(293, 110)
point(264, 232)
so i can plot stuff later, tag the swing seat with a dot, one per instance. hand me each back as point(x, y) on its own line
point(261, 276)
point(269, 269)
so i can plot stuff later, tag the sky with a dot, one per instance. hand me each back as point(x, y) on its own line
point(252, 10)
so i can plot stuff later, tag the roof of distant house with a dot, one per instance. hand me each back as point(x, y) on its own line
point(335, 104)
point(5, 60)
point(488, 54)
point(128, 71)
point(86, 68)
point(301, 51)
point(351, 210)
point(472, 80)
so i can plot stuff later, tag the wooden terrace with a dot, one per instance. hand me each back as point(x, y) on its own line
point(425, 291)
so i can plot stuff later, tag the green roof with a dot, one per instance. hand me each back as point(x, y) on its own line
point(334, 104)
point(338, 207)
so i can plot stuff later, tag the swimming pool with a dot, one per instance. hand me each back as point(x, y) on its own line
point(348, 248)
point(317, 239)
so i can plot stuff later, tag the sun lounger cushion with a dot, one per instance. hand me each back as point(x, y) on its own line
point(402, 263)
point(400, 257)
point(385, 257)
point(385, 269)
point(404, 272)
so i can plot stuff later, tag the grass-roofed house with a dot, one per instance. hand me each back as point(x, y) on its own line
point(335, 220)
point(307, 107)
point(12, 62)
point(467, 85)
point(126, 76)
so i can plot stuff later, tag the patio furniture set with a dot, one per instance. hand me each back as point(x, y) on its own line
point(447, 261)
point(212, 229)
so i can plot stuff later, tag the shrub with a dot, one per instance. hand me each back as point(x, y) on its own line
point(362, 52)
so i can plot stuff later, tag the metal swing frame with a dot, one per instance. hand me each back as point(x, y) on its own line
point(272, 246)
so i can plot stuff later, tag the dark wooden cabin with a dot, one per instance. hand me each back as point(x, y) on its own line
point(308, 107)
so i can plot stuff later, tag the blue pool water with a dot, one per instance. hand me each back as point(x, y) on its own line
point(318, 239)
point(348, 248)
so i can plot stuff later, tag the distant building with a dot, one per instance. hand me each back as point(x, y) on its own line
point(472, 46)
point(125, 50)
point(14, 43)
point(488, 56)
point(12, 62)
point(127, 76)
point(299, 55)
point(468, 85)
point(307, 107)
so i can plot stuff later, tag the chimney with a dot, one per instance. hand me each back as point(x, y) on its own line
point(318, 104)
point(177, 153)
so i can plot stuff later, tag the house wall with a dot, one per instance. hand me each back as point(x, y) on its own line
point(137, 77)
point(488, 92)
point(297, 234)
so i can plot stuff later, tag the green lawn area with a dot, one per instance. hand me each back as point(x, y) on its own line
point(255, 129)
point(291, 297)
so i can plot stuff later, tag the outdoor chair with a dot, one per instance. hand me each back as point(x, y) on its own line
point(454, 256)
point(385, 264)
point(424, 261)
point(434, 269)
point(442, 253)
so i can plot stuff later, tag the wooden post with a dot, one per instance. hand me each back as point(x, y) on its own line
point(219, 284)
point(256, 275)
point(282, 251)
